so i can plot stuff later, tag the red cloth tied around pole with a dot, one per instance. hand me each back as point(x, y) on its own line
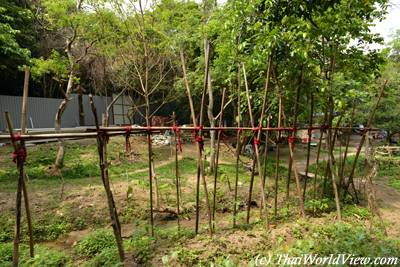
point(178, 136)
point(19, 154)
point(199, 138)
point(128, 131)
point(16, 137)
point(256, 142)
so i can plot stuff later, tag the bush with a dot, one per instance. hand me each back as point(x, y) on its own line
point(317, 206)
point(95, 243)
point(342, 238)
point(140, 246)
point(108, 257)
point(46, 257)
point(6, 251)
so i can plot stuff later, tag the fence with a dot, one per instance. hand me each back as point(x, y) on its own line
point(41, 111)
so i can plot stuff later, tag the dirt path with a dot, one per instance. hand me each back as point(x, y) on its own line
point(389, 202)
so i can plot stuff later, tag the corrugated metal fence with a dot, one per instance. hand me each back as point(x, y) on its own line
point(41, 111)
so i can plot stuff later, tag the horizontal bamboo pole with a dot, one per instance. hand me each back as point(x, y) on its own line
point(115, 131)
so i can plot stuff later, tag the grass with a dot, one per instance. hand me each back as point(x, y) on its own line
point(55, 217)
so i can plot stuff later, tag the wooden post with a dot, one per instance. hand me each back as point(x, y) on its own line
point(309, 144)
point(217, 158)
point(23, 131)
point(20, 166)
point(102, 150)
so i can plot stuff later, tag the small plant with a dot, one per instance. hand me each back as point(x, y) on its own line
point(6, 250)
point(45, 257)
point(141, 247)
point(106, 258)
point(95, 243)
point(317, 206)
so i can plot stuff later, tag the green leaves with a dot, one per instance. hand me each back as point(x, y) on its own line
point(56, 65)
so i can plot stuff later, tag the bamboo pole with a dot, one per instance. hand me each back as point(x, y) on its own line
point(117, 131)
point(256, 156)
point(24, 190)
point(291, 148)
point(200, 166)
point(309, 144)
point(266, 153)
point(25, 100)
point(371, 117)
point(322, 131)
point(102, 146)
point(292, 162)
point(277, 155)
point(20, 167)
point(237, 149)
point(335, 191)
point(177, 173)
point(217, 158)
point(343, 167)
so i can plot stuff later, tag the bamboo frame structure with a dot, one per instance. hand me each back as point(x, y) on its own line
point(102, 134)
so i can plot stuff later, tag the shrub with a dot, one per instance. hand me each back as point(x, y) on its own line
point(46, 257)
point(95, 243)
point(141, 248)
point(6, 251)
point(108, 257)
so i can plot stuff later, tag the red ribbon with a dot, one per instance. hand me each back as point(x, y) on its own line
point(16, 137)
point(256, 142)
point(199, 138)
point(178, 136)
point(19, 154)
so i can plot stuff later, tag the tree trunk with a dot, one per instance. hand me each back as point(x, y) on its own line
point(57, 123)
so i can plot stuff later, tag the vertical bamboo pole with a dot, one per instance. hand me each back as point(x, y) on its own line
point(292, 163)
point(343, 167)
point(266, 152)
point(237, 149)
point(101, 147)
point(291, 148)
point(217, 158)
point(200, 166)
point(177, 173)
point(277, 155)
point(25, 100)
point(330, 145)
point(371, 117)
point(24, 190)
point(256, 156)
point(322, 131)
point(20, 167)
point(310, 124)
